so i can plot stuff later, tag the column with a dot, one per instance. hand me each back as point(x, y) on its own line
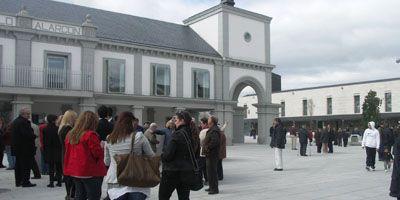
point(87, 104)
point(138, 57)
point(238, 124)
point(138, 112)
point(266, 114)
point(88, 50)
point(20, 102)
point(179, 77)
point(228, 117)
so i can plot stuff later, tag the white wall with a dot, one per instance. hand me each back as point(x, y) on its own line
point(238, 47)
point(38, 62)
point(249, 101)
point(98, 69)
point(342, 98)
point(146, 73)
point(237, 73)
point(208, 29)
point(7, 75)
point(187, 77)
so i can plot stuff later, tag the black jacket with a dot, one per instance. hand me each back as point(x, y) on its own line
point(303, 136)
point(104, 129)
point(278, 137)
point(52, 147)
point(23, 138)
point(387, 138)
point(331, 135)
point(317, 137)
point(325, 138)
point(176, 156)
point(63, 134)
point(212, 142)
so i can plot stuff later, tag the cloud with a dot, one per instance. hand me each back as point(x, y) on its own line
point(313, 42)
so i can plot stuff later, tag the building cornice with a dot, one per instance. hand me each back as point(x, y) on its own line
point(248, 64)
point(229, 9)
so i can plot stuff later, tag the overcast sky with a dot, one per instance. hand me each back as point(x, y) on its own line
point(314, 42)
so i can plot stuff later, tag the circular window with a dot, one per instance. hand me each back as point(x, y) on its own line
point(247, 37)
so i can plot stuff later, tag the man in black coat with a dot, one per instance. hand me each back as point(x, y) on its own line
point(303, 138)
point(278, 142)
point(23, 148)
point(211, 151)
point(52, 150)
point(105, 127)
point(332, 137)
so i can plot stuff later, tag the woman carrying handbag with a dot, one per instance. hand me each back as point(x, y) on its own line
point(180, 169)
point(119, 142)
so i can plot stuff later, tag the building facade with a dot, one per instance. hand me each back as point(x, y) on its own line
point(56, 56)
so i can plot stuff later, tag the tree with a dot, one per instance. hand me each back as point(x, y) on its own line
point(371, 108)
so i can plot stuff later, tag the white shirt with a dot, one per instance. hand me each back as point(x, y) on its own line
point(371, 138)
point(202, 136)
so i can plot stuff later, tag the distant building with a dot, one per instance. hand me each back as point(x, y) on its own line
point(339, 105)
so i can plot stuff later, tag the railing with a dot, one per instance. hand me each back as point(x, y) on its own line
point(60, 79)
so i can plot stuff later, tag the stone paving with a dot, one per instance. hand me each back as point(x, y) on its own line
point(249, 176)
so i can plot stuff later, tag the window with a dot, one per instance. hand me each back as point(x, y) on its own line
point(201, 83)
point(305, 107)
point(388, 102)
point(115, 71)
point(56, 72)
point(329, 105)
point(283, 109)
point(161, 80)
point(357, 104)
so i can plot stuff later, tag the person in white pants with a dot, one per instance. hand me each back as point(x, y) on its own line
point(278, 142)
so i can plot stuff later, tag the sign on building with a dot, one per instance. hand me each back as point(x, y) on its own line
point(56, 27)
point(7, 20)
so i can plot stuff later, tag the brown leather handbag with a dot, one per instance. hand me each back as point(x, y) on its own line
point(137, 170)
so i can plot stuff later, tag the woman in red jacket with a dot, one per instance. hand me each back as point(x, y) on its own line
point(84, 157)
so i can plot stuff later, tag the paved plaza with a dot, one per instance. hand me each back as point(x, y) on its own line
point(249, 175)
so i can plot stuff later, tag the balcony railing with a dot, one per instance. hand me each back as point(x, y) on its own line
point(59, 79)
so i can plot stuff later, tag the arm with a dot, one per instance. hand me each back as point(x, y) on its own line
point(363, 140)
point(159, 132)
point(94, 146)
point(107, 157)
point(214, 140)
point(378, 140)
point(169, 153)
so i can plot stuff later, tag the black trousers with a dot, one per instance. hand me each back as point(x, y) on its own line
point(22, 169)
point(35, 169)
point(55, 171)
point(212, 173)
point(345, 141)
point(371, 154)
point(88, 188)
point(220, 170)
point(203, 168)
point(171, 180)
point(303, 149)
point(69, 186)
point(330, 147)
point(319, 147)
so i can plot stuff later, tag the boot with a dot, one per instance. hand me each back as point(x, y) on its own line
point(50, 185)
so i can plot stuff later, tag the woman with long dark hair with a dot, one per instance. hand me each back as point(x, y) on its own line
point(176, 159)
point(119, 143)
point(84, 157)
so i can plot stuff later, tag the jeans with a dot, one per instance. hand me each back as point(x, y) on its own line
point(171, 180)
point(278, 158)
point(44, 168)
point(10, 158)
point(132, 196)
point(371, 155)
point(88, 188)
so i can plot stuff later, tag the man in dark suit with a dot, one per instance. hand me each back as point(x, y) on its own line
point(23, 148)
point(105, 127)
point(211, 150)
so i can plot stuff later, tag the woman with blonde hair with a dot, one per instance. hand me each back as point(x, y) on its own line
point(66, 125)
point(84, 157)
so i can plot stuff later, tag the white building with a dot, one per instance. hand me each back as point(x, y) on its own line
point(55, 56)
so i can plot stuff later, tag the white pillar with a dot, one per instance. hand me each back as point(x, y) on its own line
point(138, 112)
point(87, 104)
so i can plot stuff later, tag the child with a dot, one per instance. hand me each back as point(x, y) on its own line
point(387, 159)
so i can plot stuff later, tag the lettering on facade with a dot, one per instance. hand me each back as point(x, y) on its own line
point(56, 28)
point(7, 20)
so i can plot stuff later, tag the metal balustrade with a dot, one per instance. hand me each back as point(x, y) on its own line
point(30, 77)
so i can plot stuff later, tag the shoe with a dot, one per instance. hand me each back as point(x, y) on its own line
point(368, 168)
point(51, 185)
point(36, 177)
point(29, 185)
point(18, 185)
point(213, 192)
point(206, 183)
point(279, 170)
point(2, 166)
point(373, 169)
point(207, 190)
point(59, 185)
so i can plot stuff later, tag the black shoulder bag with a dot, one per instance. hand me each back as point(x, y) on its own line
point(195, 181)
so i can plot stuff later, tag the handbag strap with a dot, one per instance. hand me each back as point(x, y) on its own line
point(192, 156)
point(133, 142)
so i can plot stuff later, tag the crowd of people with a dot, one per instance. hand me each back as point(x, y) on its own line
point(79, 151)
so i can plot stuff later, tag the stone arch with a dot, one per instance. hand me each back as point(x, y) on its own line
point(234, 92)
